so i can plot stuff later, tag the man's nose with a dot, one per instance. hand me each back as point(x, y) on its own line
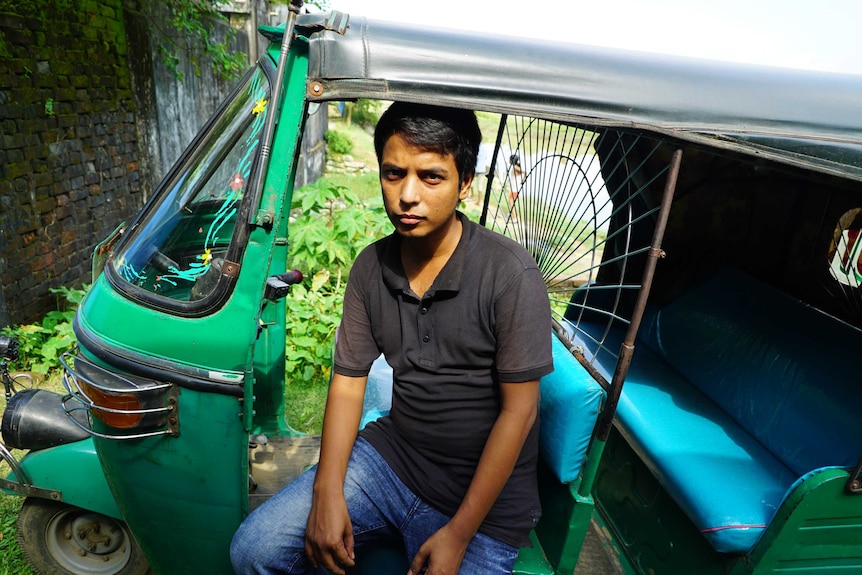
point(410, 190)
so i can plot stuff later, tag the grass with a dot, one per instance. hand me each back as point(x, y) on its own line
point(304, 405)
point(12, 562)
point(366, 186)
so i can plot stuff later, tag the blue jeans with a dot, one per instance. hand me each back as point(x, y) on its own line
point(272, 539)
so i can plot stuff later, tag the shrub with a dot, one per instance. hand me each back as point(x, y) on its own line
point(338, 143)
point(330, 226)
point(42, 343)
point(365, 112)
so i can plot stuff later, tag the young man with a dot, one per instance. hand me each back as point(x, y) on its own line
point(462, 316)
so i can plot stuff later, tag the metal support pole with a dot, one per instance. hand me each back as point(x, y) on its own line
point(272, 112)
point(628, 346)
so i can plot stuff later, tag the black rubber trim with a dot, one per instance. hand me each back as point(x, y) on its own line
point(158, 370)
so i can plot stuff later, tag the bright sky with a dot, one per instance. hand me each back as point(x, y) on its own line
point(809, 34)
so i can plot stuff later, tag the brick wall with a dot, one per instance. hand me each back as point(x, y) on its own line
point(69, 168)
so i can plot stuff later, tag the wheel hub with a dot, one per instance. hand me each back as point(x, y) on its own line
point(86, 542)
point(91, 532)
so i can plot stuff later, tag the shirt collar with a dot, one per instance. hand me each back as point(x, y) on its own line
point(449, 278)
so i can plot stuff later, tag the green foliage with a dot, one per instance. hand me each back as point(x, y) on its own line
point(43, 9)
point(338, 143)
point(321, 5)
point(312, 316)
point(42, 343)
point(330, 226)
point(195, 36)
point(366, 113)
point(362, 112)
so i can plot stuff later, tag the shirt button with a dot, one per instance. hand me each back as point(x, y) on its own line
point(423, 310)
point(426, 338)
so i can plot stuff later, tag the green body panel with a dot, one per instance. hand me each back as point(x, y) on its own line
point(184, 497)
point(75, 472)
point(532, 560)
point(198, 342)
point(267, 395)
point(614, 552)
point(565, 520)
point(817, 530)
point(645, 527)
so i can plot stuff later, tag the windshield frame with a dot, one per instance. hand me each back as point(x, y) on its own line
point(239, 237)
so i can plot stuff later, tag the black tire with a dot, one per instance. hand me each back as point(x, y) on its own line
point(59, 539)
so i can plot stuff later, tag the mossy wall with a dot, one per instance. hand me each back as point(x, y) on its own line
point(69, 155)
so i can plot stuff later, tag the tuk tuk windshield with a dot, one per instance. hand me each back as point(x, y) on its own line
point(177, 248)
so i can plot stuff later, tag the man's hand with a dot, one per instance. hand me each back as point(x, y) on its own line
point(329, 534)
point(441, 554)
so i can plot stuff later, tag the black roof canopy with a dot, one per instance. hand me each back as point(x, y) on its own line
point(806, 118)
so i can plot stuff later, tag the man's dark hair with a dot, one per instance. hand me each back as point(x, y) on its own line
point(433, 128)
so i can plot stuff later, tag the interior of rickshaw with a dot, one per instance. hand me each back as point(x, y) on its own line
point(721, 288)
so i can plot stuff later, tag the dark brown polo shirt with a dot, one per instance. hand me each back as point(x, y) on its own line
point(485, 320)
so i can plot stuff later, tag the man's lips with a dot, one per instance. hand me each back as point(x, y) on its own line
point(409, 219)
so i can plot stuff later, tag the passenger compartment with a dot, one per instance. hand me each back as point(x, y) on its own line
point(733, 399)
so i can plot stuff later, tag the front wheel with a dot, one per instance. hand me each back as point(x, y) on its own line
point(66, 540)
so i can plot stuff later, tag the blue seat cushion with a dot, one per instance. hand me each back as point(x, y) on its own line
point(570, 404)
point(719, 475)
point(776, 366)
point(378, 392)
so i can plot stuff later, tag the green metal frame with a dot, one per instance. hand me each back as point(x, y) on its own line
point(818, 528)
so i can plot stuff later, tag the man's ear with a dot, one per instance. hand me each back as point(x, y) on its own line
point(465, 187)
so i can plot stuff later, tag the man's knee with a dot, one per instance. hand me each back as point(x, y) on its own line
point(260, 547)
point(239, 552)
point(265, 556)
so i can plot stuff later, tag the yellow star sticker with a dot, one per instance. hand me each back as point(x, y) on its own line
point(207, 257)
point(259, 107)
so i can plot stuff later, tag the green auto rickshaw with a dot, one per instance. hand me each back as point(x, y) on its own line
point(696, 224)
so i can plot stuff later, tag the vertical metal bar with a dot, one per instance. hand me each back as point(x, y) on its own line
point(484, 217)
point(628, 346)
point(606, 418)
point(272, 112)
point(591, 467)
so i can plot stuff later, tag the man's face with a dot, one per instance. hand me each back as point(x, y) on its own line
point(420, 188)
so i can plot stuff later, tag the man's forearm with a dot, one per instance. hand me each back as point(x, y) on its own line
point(499, 457)
point(340, 424)
point(328, 534)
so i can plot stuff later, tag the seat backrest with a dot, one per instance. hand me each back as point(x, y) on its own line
point(785, 372)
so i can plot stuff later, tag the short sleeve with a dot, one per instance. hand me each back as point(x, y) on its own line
point(355, 348)
point(523, 324)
